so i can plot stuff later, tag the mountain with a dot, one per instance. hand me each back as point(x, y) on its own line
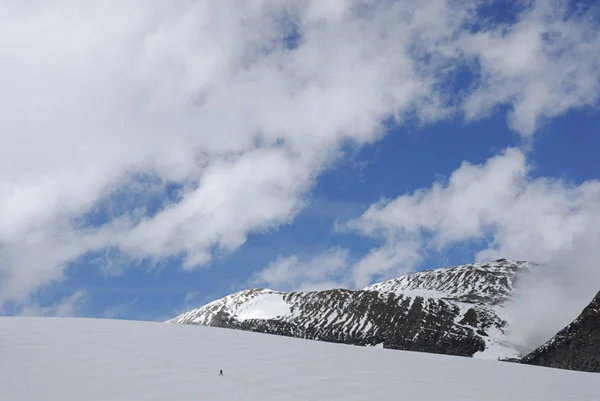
point(56, 359)
point(576, 347)
point(456, 310)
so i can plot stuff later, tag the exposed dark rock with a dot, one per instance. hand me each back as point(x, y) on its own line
point(417, 324)
point(576, 347)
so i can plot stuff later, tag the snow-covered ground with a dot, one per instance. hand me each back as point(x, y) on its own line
point(267, 306)
point(49, 359)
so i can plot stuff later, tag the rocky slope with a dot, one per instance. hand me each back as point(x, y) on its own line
point(456, 310)
point(576, 347)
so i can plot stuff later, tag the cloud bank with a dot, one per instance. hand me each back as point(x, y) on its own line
point(232, 110)
point(498, 202)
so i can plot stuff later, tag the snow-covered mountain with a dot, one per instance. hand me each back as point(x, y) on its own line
point(457, 310)
point(576, 347)
point(63, 359)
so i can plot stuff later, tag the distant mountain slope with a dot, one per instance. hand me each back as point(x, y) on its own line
point(576, 347)
point(456, 311)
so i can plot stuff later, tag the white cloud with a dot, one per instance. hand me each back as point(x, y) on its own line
point(205, 94)
point(69, 306)
point(190, 296)
point(501, 205)
point(530, 66)
point(389, 261)
point(292, 274)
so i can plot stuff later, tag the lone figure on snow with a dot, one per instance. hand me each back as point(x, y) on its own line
point(221, 372)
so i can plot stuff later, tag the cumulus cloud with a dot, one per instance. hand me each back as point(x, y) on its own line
point(293, 274)
point(501, 205)
point(241, 105)
point(529, 66)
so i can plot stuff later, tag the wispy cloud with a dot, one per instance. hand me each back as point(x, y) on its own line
point(70, 306)
point(213, 97)
point(191, 300)
point(293, 274)
point(120, 311)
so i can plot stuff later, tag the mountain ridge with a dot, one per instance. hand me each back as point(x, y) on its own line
point(455, 310)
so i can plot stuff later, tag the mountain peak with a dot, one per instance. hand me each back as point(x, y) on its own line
point(491, 282)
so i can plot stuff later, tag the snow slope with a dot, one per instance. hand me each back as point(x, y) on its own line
point(93, 359)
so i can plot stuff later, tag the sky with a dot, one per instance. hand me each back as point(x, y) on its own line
point(157, 156)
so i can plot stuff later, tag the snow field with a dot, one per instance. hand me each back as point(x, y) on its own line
point(264, 306)
point(51, 359)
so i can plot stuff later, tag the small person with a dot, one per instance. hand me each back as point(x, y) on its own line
point(221, 372)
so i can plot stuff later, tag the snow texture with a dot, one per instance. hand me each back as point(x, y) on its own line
point(61, 359)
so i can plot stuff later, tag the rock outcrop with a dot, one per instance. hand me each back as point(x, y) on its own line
point(576, 347)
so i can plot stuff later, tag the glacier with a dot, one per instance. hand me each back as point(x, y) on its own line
point(54, 359)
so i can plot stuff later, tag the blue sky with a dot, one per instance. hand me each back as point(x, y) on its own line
point(406, 160)
point(248, 156)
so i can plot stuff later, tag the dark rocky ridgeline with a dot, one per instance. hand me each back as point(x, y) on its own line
point(576, 347)
point(371, 318)
point(448, 311)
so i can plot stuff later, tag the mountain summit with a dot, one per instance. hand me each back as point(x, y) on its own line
point(455, 310)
